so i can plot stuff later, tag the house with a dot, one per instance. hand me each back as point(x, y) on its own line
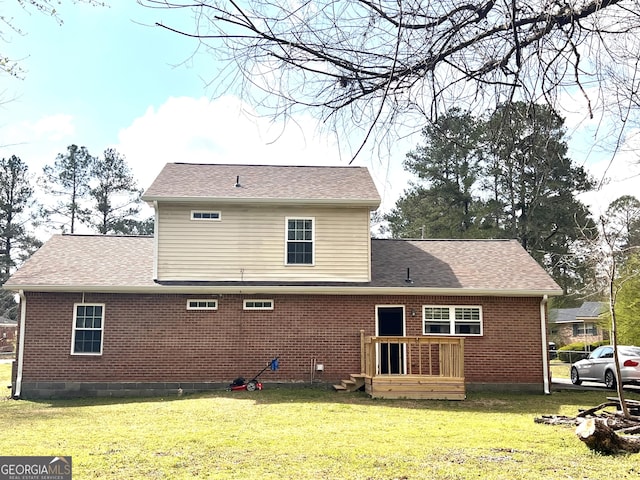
point(582, 324)
point(8, 328)
point(252, 262)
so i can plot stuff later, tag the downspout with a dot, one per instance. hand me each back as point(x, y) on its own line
point(23, 315)
point(545, 345)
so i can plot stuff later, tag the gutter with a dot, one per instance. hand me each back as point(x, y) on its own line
point(204, 288)
point(371, 203)
point(545, 345)
point(23, 315)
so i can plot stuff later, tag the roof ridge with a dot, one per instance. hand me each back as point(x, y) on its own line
point(448, 239)
point(99, 235)
point(263, 165)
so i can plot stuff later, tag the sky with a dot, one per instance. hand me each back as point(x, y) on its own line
point(107, 78)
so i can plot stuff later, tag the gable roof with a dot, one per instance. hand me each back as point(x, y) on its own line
point(189, 182)
point(586, 311)
point(448, 267)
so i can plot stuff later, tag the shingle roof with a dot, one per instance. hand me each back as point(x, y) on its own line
point(88, 260)
point(590, 310)
point(586, 311)
point(464, 264)
point(111, 263)
point(216, 182)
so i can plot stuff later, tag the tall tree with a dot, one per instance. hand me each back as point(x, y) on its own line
point(535, 184)
point(451, 172)
point(374, 63)
point(16, 242)
point(628, 301)
point(115, 193)
point(503, 176)
point(625, 211)
point(618, 269)
point(68, 180)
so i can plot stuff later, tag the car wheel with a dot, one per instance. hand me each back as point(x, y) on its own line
point(609, 379)
point(575, 378)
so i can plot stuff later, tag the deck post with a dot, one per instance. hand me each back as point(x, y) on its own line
point(362, 353)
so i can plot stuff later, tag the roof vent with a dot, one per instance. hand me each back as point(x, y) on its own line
point(408, 279)
point(237, 185)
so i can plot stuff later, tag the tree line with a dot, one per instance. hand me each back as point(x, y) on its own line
point(507, 174)
point(97, 194)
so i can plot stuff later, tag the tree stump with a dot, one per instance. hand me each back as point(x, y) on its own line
point(598, 436)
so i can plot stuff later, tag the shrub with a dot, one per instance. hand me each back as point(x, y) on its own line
point(577, 351)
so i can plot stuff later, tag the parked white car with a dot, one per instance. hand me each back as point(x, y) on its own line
point(599, 366)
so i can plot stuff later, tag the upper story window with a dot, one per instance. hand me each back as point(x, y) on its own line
point(450, 320)
point(205, 215)
point(202, 304)
point(300, 241)
point(88, 323)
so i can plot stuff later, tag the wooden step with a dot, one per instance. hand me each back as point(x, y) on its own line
point(354, 383)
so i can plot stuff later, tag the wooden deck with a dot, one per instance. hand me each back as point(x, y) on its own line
point(423, 367)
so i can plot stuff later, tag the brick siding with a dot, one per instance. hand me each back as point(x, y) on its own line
point(154, 338)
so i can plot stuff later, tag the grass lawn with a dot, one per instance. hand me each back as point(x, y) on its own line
point(559, 369)
point(311, 434)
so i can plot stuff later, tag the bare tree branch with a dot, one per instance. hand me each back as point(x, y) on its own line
point(365, 63)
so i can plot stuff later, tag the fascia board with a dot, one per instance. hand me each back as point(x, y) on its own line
point(372, 203)
point(286, 289)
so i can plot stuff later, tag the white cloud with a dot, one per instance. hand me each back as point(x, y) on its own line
point(51, 128)
point(37, 142)
point(220, 131)
point(616, 176)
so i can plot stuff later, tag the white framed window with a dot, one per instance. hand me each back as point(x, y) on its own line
point(202, 304)
point(451, 320)
point(257, 304)
point(585, 329)
point(299, 241)
point(215, 216)
point(88, 329)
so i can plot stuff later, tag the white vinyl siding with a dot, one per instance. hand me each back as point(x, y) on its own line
point(249, 245)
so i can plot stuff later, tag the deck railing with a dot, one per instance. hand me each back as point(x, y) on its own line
point(421, 355)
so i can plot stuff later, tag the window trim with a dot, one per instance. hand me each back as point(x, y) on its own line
point(209, 212)
point(256, 300)
point(452, 321)
point(202, 300)
point(312, 241)
point(75, 329)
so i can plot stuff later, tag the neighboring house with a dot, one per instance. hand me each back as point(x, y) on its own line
point(251, 262)
point(8, 330)
point(582, 324)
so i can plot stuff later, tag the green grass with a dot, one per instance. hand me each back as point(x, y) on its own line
point(559, 369)
point(311, 434)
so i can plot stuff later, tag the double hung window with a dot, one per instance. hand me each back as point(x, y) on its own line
point(88, 329)
point(299, 241)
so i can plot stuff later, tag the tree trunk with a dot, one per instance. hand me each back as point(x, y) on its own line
point(598, 436)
